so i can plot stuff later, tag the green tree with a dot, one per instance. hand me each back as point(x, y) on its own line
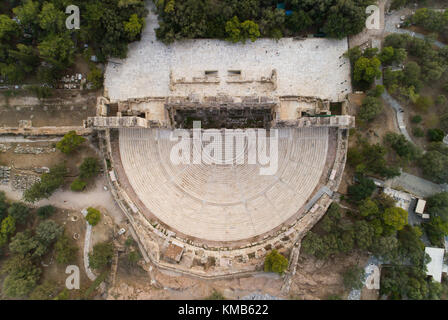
point(51, 19)
point(396, 217)
point(45, 211)
point(368, 208)
point(370, 109)
point(59, 48)
point(8, 28)
point(96, 78)
point(101, 255)
point(313, 244)
point(416, 119)
point(404, 148)
point(49, 183)
point(48, 231)
point(411, 74)
point(46, 291)
point(434, 163)
point(436, 229)
point(89, 168)
point(435, 135)
point(344, 18)
point(362, 189)
point(238, 31)
point(275, 262)
point(353, 278)
point(364, 234)
point(22, 276)
point(19, 212)
point(7, 228)
point(377, 91)
point(437, 205)
point(78, 185)
point(27, 13)
point(66, 251)
point(3, 205)
point(24, 243)
point(134, 26)
point(423, 103)
point(70, 142)
point(385, 247)
point(93, 216)
point(387, 55)
point(366, 71)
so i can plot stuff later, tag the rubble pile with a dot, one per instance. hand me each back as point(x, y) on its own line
point(23, 182)
point(4, 147)
point(27, 149)
point(4, 174)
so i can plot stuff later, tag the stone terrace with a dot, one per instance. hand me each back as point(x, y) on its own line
point(313, 67)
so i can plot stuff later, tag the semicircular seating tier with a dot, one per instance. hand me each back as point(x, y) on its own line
point(223, 202)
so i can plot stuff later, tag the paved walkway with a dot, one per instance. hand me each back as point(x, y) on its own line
point(416, 185)
point(394, 19)
point(87, 238)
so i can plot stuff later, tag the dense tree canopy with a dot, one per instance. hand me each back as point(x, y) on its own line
point(434, 163)
point(39, 34)
point(181, 19)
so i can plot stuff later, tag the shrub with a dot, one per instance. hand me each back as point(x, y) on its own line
point(96, 78)
point(444, 122)
point(48, 184)
point(441, 100)
point(101, 256)
point(78, 185)
point(48, 231)
point(93, 216)
point(7, 228)
point(46, 291)
point(133, 257)
point(70, 142)
point(371, 107)
point(377, 91)
point(89, 168)
point(423, 103)
point(3, 205)
point(353, 278)
point(435, 135)
point(416, 119)
point(22, 276)
point(215, 295)
point(362, 189)
point(45, 211)
point(65, 250)
point(275, 262)
point(19, 212)
point(418, 132)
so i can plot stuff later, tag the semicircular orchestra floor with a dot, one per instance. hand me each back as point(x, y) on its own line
point(223, 202)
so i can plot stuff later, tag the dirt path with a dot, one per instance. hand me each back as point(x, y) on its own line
point(95, 197)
